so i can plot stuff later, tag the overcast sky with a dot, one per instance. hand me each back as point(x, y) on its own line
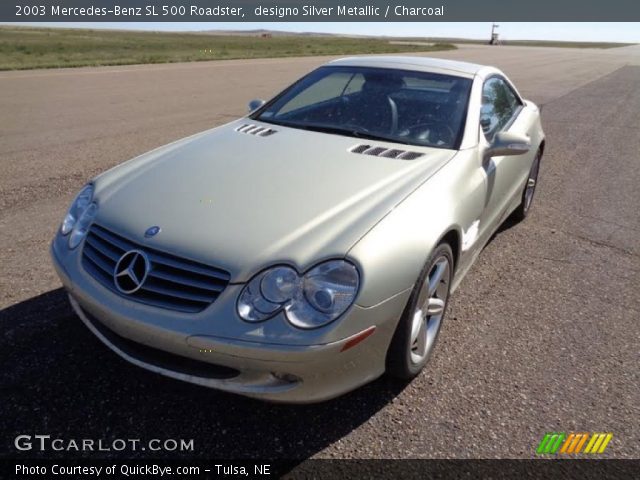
point(613, 32)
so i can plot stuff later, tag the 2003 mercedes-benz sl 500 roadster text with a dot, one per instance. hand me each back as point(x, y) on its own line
point(305, 249)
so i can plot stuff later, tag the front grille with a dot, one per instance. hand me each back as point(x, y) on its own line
point(174, 283)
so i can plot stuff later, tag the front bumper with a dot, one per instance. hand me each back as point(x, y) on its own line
point(192, 351)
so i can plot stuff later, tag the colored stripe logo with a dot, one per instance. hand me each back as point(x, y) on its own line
point(573, 443)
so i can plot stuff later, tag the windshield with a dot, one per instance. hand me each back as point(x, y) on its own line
point(416, 108)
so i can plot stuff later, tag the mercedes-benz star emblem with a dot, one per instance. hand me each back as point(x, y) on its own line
point(131, 271)
point(152, 231)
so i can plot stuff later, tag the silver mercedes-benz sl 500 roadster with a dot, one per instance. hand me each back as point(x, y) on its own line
point(307, 248)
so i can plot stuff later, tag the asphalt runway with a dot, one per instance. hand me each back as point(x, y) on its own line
point(543, 334)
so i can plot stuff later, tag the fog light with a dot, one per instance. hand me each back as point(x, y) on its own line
point(285, 377)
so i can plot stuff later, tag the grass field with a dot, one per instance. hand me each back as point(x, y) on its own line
point(551, 43)
point(24, 48)
point(525, 43)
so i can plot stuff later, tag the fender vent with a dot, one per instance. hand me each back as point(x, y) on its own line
point(385, 152)
point(255, 130)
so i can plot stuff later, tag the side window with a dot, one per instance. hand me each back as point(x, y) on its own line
point(499, 105)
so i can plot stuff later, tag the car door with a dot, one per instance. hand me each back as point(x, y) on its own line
point(500, 109)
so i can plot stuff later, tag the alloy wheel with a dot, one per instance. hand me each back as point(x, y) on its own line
point(531, 182)
point(429, 310)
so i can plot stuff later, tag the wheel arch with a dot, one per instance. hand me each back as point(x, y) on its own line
point(453, 238)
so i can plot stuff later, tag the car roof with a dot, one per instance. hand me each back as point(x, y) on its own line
point(426, 64)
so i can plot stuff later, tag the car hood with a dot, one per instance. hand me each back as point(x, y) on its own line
point(242, 202)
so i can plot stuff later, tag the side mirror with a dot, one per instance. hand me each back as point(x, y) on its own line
point(255, 104)
point(506, 143)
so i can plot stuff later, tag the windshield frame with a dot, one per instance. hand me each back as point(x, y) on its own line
point(256, 115)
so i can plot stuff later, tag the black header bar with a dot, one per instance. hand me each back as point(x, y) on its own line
point(318, 10)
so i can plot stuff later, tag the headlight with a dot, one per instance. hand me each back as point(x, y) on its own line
point(311, 300)
point(79, 205)
point(81, 227)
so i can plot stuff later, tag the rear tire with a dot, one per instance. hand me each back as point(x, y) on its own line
point(417, 332)
point(529, 191)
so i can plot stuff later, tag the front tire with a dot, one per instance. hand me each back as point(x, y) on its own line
point(418, 329)
point(522, 211)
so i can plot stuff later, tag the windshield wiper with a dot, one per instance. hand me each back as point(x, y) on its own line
point(349, 132)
